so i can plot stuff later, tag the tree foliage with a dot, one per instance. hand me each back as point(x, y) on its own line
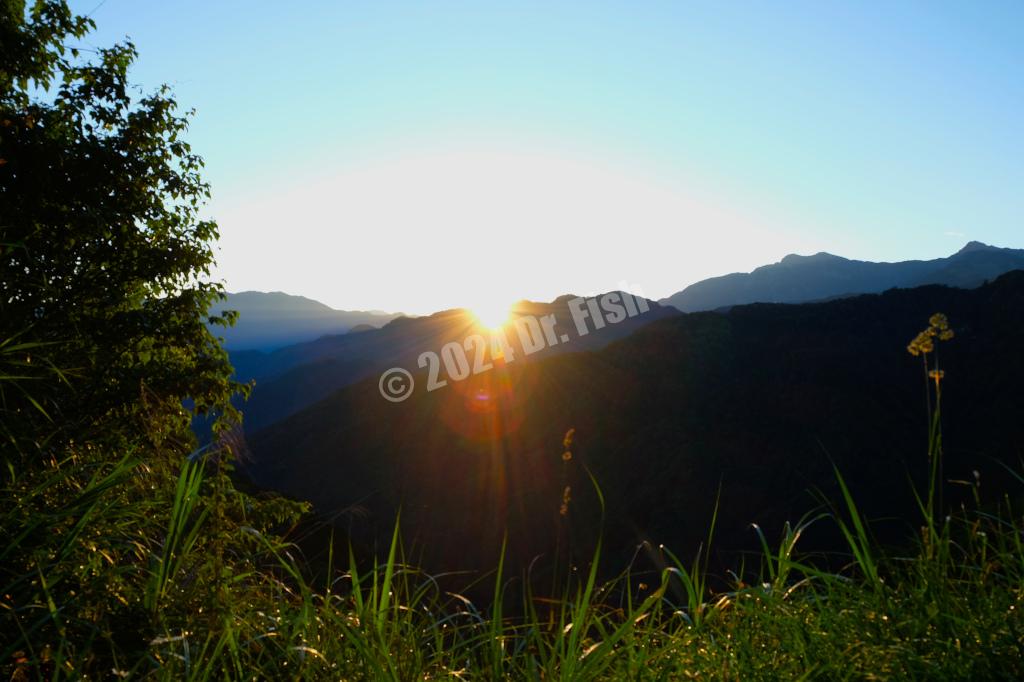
point(105, 258)
point(114, 538)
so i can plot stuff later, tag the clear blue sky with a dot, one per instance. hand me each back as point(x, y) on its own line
point(576, 146)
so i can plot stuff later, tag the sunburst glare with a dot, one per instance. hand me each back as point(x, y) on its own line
point(492, 316)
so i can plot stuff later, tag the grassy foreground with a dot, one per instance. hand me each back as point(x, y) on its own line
point(102, 585)
point(147, 567)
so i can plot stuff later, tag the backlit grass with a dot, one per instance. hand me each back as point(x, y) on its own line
point(148, 567)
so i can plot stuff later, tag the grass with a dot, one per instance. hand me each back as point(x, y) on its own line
point(952, 611)
point(153, 568)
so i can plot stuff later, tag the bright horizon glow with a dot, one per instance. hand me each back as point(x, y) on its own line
point(415, 157)
point(482, 225)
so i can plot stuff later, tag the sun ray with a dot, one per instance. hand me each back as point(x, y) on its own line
point(492, 316)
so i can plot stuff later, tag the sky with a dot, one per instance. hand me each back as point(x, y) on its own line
point(421, 156)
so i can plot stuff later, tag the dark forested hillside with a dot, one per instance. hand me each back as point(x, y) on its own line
point(761, 400)
point(296, 376)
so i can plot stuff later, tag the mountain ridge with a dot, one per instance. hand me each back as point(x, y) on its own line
point(800, 279)
point(293, 377)
point(759, 402)
point(268, 320)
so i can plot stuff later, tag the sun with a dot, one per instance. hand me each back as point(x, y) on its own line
point(491, 316)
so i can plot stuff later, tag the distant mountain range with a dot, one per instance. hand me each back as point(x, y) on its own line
point(274, 320)
point(759, 402)
point(291, 378)
point(798, 279)
point(271, 320)
point(299, 351)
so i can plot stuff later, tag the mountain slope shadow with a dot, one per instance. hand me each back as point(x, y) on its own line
point(758, 402)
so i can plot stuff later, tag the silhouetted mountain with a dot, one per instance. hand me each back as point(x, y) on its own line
point(293, 377)
point(761, 401)
point(799, 279)
point(271, 320)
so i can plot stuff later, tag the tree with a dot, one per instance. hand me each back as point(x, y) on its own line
point(105, 260)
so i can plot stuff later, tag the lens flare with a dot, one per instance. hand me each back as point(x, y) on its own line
point(491, 316)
